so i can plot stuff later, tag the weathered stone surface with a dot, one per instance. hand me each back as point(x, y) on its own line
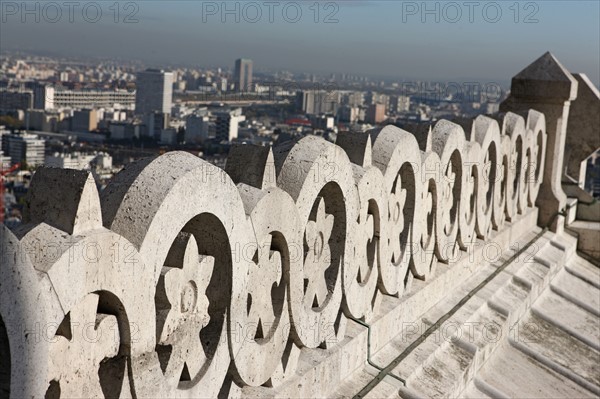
point(195, 282)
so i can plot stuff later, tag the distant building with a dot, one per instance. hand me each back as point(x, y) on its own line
point(13, 100)
point(93, 99)
point(399, 104)
point(115, 116)
point(24, 148)
point(168, 136)
point(43, 95)
point(124, 130)
point(222, 84)
point(154, 91)
point(375, 113)
point(242, 75)
point(322, 122)
point(85, 120)
point(227, 124)
point(156, 122)
point(355, 99)
point(4, 160)
point(42, 120)
point(315, 102)
point(48, 97)
point(79, 161)
point(348, 114)
point(196, 129)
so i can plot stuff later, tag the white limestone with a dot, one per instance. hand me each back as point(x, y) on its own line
point(198, 284)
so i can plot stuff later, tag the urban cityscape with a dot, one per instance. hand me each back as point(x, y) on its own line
point(299, 199)
point(101, 116)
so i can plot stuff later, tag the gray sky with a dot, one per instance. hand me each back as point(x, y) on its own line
point(486, 41)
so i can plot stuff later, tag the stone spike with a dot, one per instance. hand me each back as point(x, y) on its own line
point(64, 198)
point(367, 159)
point(429, 143)
point(251, 164)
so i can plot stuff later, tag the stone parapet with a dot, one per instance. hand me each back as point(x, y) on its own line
point(181, 279)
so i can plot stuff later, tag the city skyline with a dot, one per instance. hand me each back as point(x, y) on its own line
point(374, 39)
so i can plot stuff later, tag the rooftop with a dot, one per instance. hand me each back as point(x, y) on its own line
point(454, 261)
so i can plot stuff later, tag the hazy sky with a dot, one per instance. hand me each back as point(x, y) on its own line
point(385, 38)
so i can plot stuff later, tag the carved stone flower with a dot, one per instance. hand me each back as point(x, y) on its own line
point(266, 271)
point(318, 257)
point(185, 289)
point(396, 218)
point(366, 235)
point(428, 206)
point(448, 195)
point(74, 362)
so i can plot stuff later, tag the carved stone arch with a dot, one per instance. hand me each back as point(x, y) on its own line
point(361, 294)
point(516, 198)
point(24, 310)
point(318, 176)
point(277, 254)
point(469, 201)
point(151, 204)
point(396, 153)
point(448, 142)
point(427, 215)
point(536, 128)
point(486, 132)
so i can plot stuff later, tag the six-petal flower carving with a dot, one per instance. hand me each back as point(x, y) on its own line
point(185, 289)
point(448, 195)
point(366, 231)
point(266, 271)
point(396, 217)
point(318, 257)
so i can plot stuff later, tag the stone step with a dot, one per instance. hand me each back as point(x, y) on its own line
point(511, 374)
point(419, 356)
point(474, 271)
point(442, 373)
point(473, 391)
point(448, 366)
point(577, 291)
point(569, 317)
point(558, 350)
point(585, 271)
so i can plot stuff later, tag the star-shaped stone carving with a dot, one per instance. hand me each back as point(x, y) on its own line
point(318, 257)
point(186, 292)
point(265, 271)
point(428, 207)
point(396, 203)
point(74, 363)
point(366, 235)
point(448, 195)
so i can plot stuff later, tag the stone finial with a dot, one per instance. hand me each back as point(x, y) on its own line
point(64, 198)
point(548, 87)
point(544, 79)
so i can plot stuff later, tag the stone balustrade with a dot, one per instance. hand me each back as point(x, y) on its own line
point(180, 279)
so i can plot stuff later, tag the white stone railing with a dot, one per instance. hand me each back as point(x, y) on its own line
point(180, 277)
